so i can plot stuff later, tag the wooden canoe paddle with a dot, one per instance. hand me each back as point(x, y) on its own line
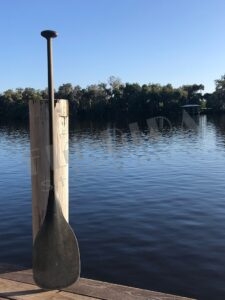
point(56, 257)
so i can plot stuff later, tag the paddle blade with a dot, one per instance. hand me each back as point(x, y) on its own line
point(56, 258)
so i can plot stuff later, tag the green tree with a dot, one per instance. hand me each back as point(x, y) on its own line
point(194, 95)
point(30, 94)
point(65, 91)
point(220, 84)
point(216, 100)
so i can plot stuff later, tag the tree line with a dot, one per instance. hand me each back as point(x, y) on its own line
point(116, 100)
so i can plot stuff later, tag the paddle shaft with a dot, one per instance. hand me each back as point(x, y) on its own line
point(48, 34)
point(51, 110)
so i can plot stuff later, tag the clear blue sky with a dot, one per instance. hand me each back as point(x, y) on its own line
point(159, 41)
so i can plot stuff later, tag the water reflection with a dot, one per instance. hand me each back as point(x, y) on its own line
point(146, 202)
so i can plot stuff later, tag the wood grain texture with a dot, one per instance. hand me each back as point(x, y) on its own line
point(16, 290)
point(109, 291)
point(40, 157)
point(96, 289)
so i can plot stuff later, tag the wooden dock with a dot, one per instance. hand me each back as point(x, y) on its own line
point(17, 283)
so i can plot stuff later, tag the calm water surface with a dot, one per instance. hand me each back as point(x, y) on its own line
point(148, 208)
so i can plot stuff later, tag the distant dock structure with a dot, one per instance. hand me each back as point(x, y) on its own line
point(192, 109)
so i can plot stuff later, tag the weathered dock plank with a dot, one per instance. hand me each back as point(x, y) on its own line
point(17, 290)
point(17, 283)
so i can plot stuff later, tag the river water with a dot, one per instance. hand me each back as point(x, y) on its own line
point(147, 202)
